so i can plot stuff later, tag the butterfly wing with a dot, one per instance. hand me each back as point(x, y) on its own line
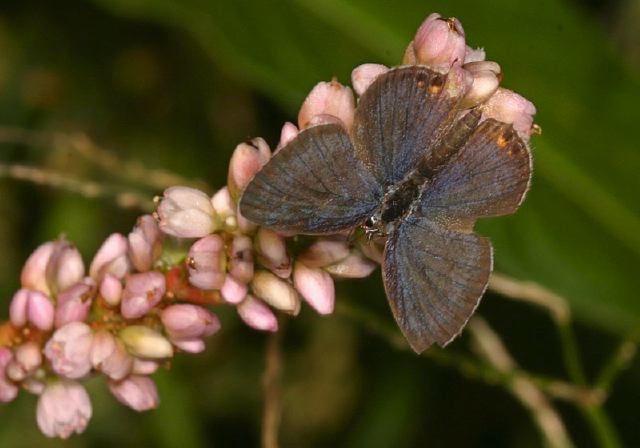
point(434, 279)
point(489, 176)
point(314, 185)
point(401, 116)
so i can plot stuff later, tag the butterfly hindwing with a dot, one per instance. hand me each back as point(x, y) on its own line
point(400, 117)
point(489, 176)
point(434, 279)
point(313, 185)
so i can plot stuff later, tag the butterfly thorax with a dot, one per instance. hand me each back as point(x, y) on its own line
point(398, 202)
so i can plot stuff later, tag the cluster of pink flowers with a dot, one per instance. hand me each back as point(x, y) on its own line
point(143, 300)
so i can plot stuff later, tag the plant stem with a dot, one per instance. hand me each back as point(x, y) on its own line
point(272, 411)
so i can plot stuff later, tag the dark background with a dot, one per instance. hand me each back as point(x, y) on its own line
point(177, 84)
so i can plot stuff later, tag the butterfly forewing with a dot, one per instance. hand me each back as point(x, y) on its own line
point(489, 176)
point(313, 185)
point(399, 118)
point(434, 279)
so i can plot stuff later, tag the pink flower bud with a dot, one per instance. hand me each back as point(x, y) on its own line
point(65, 267)
point(69, 349)
point(33, 274)
point(257, 315)
point(241, 259)
point(144, 366)
point(328, 98)
point(474, 54)
point(137, 392)
point(276, 292)
point(40, 311)
point(8, 390)
point(31, 306)
point(486, 79)
point(288, 133)
point(364, 75)
point(145, 243)
point(186, 213)
point(246, 161)
point(28, 356)
point(225, 208)
point(52, 267)
point(63, 408)
point(141, 293)
point(189, 345)
point(109, 356)
point(440, 42)
point(111, 258)
point(206, 262)
point(509, 107)
point(146, 343)
point(74, 303)
point(354, 266)
point(185, 321)
point(316, 287)
point(18, 307)
point(111, 289)
point(272, 252)
point(233, 291)
point(324, 252)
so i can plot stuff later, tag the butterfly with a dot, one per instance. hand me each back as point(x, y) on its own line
point(417, 169)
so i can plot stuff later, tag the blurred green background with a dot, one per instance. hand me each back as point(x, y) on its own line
point(176, 84)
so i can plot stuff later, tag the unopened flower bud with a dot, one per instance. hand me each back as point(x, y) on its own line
point(145, 243)
point(109, 356)
point(69, 350)
point(272, 252)
point(28, 356)
point(486, 80)
point(509, 107)
point(185, 321)
point(189, 345)
point(328, 98)
point(144, 366)
point(65, 267)
point(288, 133)
point(63, 408)
point(141, 293)
point(206, 262)
point(33, 274)
point(276, 292)
point(111, 289)
point(257, 315)
point(31, 307)
point(233, 290)
point(225, 208)
point(74, 303)
point(137, 392)
point(439, 42)
point(185, 212)
point(111, 258)
point(316, 287)
point(144, 342)
point(8, 390)
point(324, 252)
point(246, 161)
point(241, 258)
point(354, 266)
point(364, 75)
